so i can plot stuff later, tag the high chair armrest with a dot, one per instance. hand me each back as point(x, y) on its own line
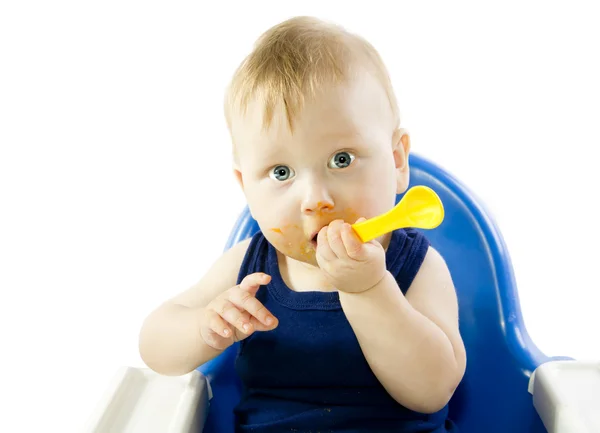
point(566, 395)
point(141, 401)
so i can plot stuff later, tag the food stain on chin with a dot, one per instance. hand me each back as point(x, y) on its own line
point(306, 249)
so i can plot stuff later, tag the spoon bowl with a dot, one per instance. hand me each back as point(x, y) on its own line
point(420, 208)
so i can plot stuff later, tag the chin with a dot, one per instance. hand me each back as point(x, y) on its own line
point(308, 257)
point(312, 261)
point(303, 251)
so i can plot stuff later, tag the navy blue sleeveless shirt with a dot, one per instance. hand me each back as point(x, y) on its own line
point(309, 374)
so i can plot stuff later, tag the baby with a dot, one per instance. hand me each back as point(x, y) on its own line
point(335, 335)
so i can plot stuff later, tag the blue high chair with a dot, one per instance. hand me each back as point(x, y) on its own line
point(493, 396)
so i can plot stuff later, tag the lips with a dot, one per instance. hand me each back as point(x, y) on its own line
point(313, 240)
point(314, 234)
point(313, 237)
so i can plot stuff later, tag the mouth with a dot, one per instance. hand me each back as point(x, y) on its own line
point(313, 240)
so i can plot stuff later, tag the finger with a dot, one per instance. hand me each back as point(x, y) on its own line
point(354, 246)
point(217, 325)
point(214, 340)
point(253, 282)
point(214, 337)
point(323, 248)
point(230, 313)
point(334, 236)
point(246, 301)
point(258, 326)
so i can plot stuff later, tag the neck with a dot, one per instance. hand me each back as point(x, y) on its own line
point(303, 277)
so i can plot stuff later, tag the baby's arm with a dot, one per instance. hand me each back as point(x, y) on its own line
point(412, 343)
point(173, 338)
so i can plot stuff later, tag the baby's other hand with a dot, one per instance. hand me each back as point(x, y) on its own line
point(351, 265)
point(236, 314)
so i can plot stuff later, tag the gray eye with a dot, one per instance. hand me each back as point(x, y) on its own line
point(341, 160)
point(281, 173)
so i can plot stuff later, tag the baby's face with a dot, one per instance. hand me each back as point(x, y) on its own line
point(342, 161)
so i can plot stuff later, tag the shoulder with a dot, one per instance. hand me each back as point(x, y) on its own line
point(406, 254)
point(433, 278)
point(433, 267)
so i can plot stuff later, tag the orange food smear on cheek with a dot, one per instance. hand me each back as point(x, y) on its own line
point(350, 216)
point(303, 249)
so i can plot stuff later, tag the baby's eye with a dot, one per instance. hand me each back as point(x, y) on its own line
point(341, 160)
point(281, 173)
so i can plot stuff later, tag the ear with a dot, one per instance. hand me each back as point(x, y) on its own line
point(237, 172)
point(401, 150)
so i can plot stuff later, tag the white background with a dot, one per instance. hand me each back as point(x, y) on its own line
point(115, 183)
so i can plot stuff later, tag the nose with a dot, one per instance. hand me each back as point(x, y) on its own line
point(317, 199)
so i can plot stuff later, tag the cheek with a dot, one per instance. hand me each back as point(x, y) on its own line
point(383, 178)
point(278, 222)
point(271, 213)
point(368, 207)
point(290, 240)
point(260, 201)
point(373, 195)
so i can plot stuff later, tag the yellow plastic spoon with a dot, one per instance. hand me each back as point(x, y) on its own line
point(419, 208)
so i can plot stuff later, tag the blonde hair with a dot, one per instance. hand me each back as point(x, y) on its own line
point(293, 60)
